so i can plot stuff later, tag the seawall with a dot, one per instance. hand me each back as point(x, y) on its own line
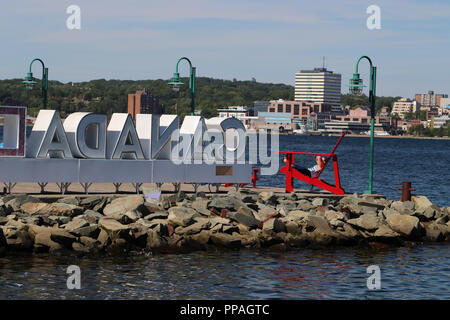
point(177, 223)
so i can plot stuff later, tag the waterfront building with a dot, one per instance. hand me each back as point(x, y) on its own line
point(363, 116)
point(444, 103)
point(233, 111)
point(384, 112)
point(242, 113)
point(143, 102)
point(406, 124)
point(430, 99)
point(440, 121)
point(300, 109)
point(403, 106)
point(319, 86)
point(281, 121)
point(338, 127)
point(260, 106)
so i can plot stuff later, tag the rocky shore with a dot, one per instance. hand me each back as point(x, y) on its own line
point(243, 219)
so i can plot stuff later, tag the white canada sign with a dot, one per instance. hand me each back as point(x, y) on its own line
point(85, 148)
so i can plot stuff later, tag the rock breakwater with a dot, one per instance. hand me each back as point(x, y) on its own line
point(240, 219)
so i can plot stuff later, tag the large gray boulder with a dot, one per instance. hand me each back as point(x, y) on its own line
point(15, 201)
point(56, 209)
point(246, 220)
point(62, 237)
point(406, 207)
point(304, 204)
point(17, 239)
point(180, 216)
point(318, 202)
point(421, 202)
point(296, 215)
point(76, 224)
point(155, 242)
point(91, 202)
point(225, 240)
point(91, 231)
point(369, 222)
point(265, 212)
point(435, 232)
point(114, 228)
point(194, 228)
point(157, 215)
point(201, 206)
point(336, 215)
point(429, 213)
point(268, 196)
point(91, 216)
point(124, 204)
point(69, 200)
point(406, 225)
point(384, 231)
point(44, 243)
point(32, 207)
point(275, 225)
point(229, 203)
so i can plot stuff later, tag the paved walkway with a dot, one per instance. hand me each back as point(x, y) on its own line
point(53, 191)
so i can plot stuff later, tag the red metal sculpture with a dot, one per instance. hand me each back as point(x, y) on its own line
point(291, 173)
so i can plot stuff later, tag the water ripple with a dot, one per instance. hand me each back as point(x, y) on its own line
point(406, 273)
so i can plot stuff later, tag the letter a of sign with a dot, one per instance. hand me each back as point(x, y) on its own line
point(123, 141)
point(48, 139)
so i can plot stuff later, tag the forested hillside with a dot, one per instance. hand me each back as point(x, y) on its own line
point(108, 96)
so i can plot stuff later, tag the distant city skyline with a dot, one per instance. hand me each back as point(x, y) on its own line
point(266, 40)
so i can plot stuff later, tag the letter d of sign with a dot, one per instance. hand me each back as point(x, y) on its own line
point(86, 133)
point(122, 140)
point(48, 139)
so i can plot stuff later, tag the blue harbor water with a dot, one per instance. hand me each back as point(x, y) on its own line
point(420, 272)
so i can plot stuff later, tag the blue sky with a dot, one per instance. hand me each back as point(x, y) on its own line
point(267, 40)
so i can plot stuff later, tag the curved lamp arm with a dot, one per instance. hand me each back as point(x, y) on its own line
point(30, 80)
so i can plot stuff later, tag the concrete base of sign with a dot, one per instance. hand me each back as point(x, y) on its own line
point(85, 171)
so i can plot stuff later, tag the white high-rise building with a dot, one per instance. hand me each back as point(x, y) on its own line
point(319, 85)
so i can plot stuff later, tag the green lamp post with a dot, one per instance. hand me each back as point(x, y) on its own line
point(176, 82)
point(29, 80)
point(356, 87)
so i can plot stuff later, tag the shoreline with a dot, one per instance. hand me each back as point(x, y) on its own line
point(180, 223)
point(393, 137)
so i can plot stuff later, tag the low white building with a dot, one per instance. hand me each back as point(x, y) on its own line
point(239, 112)
point(403, 106)
point(440, 121)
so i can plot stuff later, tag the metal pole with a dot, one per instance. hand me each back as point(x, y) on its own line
point(192, 85)
point(44, 80)
point(372, 125)
point(191, 82)
point(372, 94)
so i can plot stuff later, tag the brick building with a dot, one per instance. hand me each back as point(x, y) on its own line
point(430, 99)
point(143, 102)
point(300, 109)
